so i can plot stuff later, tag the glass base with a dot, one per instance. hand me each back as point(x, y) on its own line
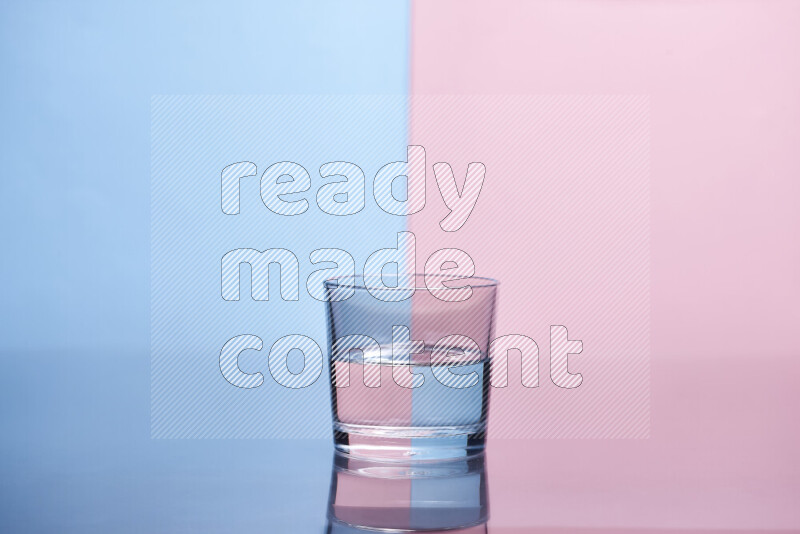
point(409, 443)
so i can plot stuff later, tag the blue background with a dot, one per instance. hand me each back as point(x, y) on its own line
point(74, 391)
point(193, 139)
point(78, 79)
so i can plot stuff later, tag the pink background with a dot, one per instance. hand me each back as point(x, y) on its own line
point(563, 221)
point(723, 80)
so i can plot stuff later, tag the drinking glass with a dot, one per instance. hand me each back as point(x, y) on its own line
point(409, 364)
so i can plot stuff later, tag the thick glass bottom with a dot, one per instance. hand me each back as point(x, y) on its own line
point(387, 443)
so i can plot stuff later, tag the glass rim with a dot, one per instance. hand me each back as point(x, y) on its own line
point(357, 281)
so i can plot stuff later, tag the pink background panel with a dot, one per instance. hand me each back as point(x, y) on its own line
point(723, 80)
point(563, 222)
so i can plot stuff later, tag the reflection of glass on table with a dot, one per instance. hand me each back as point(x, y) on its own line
point(368, 495)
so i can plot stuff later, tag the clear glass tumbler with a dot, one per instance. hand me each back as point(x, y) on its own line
point(409, 365)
